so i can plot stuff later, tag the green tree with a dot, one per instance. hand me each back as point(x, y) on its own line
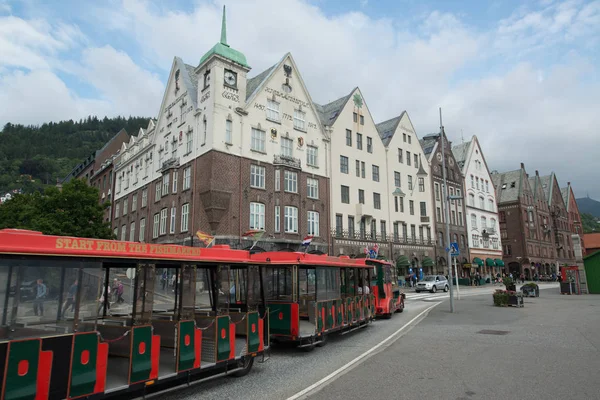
point(72, 211)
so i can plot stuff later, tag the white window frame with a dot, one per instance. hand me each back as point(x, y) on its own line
point(163, 221)
point(290, 181)
point(125, 205)
point(300, 120)
point(144, 197)
point(185, 214)
point(257, 216)
point(123, 232)
point(189, 141)
point(257, 176)
point(166, 181)
point(277, 180)
point(187, 178)
point(132, 232)
point(228, 131)
point(312, 156)
point(173, 218)
point(258, 140)
point(117, 208)
point(157, 191)
point(134, 202)
point(312, 188)
point(290, 219)
point(277, 227)
point(273, 112)
point(287, 147)
point(313, 223)
point(155, 226)
point(473, 221)
point(142, 229)
point(175, 179)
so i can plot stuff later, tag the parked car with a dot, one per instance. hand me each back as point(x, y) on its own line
point(432, 283)
point(27, 290)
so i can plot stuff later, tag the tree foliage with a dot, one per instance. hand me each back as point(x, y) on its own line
point(32, 157)
point(590, 223)
point(72, 211)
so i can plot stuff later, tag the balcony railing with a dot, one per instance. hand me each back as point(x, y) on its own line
point(172, 162)
point(384, 237)
point(280, 159)
point(425, 219)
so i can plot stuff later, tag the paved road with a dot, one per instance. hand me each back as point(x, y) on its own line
point(291, 370)
point(546, 350)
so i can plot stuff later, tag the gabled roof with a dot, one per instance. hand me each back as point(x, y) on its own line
point(461, 152)
point(564, 192)
point(254, 83)
point(329, 112)
point(387, 128)
point(509, 185)
point(428, 143)
point(190, 80)
point(546, 182)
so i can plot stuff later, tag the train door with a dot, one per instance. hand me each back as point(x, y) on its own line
point(307, 297)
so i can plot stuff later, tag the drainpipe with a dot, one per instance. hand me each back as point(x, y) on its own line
point(193, 194)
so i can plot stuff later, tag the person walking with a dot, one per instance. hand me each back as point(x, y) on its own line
point(119, 291)
point(164, 279)
point(70, 298)
point(40, 295)
point(104, 301)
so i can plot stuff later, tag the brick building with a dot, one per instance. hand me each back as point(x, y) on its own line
point(575, 225)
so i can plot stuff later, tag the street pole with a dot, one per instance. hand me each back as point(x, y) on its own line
point(456, 278)
point(447, 215)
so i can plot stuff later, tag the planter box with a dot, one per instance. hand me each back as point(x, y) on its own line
point(516, 301)
point(530, 291)
point(564, 288)
point(512, 288)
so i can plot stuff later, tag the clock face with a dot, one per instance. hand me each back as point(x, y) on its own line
point(439, 156)
point(230, 78)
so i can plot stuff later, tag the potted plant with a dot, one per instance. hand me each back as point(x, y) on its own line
point(510, 284)
point(500, 298)
point(530, 290)
point(515, 298)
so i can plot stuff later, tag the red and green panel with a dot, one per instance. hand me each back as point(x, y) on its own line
point(285, 319)
point(339, 309)
point(357, 308)
point(89, 360)
point(189, 346)
point(27, 371)
point(366, 306)
point(321, 312)
point(145, 353)
point(349, 310)
point(225, 339)
point(255, 333)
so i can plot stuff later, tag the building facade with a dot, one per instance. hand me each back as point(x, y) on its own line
point(575, 225)
point(432, 148)
point(227, 154)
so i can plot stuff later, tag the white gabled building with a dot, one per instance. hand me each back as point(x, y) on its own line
point(485, 246)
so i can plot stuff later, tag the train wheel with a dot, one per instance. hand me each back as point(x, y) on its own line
point(245, 365)
point(308, 349)
point(323, 341)
point(401, 308)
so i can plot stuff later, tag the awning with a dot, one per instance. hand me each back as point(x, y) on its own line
point(499, 262)
point(427, 262)
point(402, 261)
point(489, 262)
point(478, 261)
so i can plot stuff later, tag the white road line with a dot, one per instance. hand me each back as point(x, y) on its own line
point(357, 359)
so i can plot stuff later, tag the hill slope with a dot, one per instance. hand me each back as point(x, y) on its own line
point(587, 205)
point(34, 156)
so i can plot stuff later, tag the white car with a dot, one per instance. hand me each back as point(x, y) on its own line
point(432, 283)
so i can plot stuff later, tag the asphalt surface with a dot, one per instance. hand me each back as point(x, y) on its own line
point(291, 370)
point(549, 350)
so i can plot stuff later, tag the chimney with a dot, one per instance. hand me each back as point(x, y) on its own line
point(568, 183)
point(537, 173)
point(522, 166)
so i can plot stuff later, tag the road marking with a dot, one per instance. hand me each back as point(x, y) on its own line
point(357, 359)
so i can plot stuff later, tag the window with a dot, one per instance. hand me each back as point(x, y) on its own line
point(287, 147)
point(127, 180)
point(416, 156)
point(345, 194)
point(421, 184)
point(257, 216)
point(408, 158)
point(165, 189)
point(257, 140)
point(487, 186)
point(377, 201)
point(400, 155)
point(383, 229)
point(408, 139)
point(482, 203)
point(428, 235)
point(423, 206)
point(134, 202)
point(490, 204)
point(290, 219)
point(453, 217)
point(273, 110)
point(475, 240)
point(355, 117)
point(146, 166)
point(458, 200)
point(363, 169)
point(257, 176)
point(339, 224)
point(277, 219)
point(359, 141)
point(187, 178)
point(472, 182)
point(413, 231)
point(348, 137)
point(117, 207)
point(502, 216)
point(144, 198)
point(477, 182)
point(155, 226)
point(142, 229)
point(123, 232)
point(175, 179)
point(357, 168)
point(401, 199)
point(397, 181)
point(404, 137)
point(125, 205)
point(132, 232)
point(404, 231)
point(440, 239)
point(312, 188)
point(228, 131)
point(362, 120)
point(204, 131)
point(343, 164)
point(350, 226)
point(483, 222)
point(290, 182)
point(185, 214)
point(460, 219)
point(473, 221)
point(396, 203)
point(376, 173)
point(173, 215)
point(312, 156)
point(300, 120)
point(437, 190)
point(369, 144)
point(396, 231)
point(157, 191)
point(438, 214)
point(313, 223)
point(471, 199)
point(411, 207)
point(410, 183)
point(163, 221)
point(492, 224)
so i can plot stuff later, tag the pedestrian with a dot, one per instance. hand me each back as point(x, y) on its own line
point(70, 298)
point(40, 295)
point(119, 292)
point(104, 301)
point(164, 279)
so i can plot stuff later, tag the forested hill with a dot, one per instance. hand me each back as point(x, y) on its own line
point(50, 151)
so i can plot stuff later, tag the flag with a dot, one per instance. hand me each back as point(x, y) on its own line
point(306, 241)
point(205, 238)
point(255, 235)
point(376, 249)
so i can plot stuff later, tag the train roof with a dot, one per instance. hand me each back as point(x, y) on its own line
point(298, 258)
point(25, 242)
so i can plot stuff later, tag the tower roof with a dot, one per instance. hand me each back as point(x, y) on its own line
point(222, 48)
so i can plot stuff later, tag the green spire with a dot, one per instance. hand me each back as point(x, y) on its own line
point(224, 29)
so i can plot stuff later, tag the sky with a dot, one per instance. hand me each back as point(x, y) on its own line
point(521, 75)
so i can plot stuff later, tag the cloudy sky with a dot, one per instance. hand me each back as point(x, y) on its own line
point(521, 75)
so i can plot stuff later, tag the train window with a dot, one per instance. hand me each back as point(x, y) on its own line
point(278, 283)
point(144, 295)
point(333, 283)
point(306, 281)
point(187, 290)
point(204, 298)
point(40, 297)
point(254, 294)
point(351, 281)
point(224, 287)
point(321, 284)
point(238, 290)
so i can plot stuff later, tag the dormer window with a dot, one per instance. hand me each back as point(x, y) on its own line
point(207, 79)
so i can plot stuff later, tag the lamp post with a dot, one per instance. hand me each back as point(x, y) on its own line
point(447, 215)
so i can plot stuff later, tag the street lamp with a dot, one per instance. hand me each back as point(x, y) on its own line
point(447, 215)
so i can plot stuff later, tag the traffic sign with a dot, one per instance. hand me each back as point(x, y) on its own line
point(130, 273)
point(454, 249)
